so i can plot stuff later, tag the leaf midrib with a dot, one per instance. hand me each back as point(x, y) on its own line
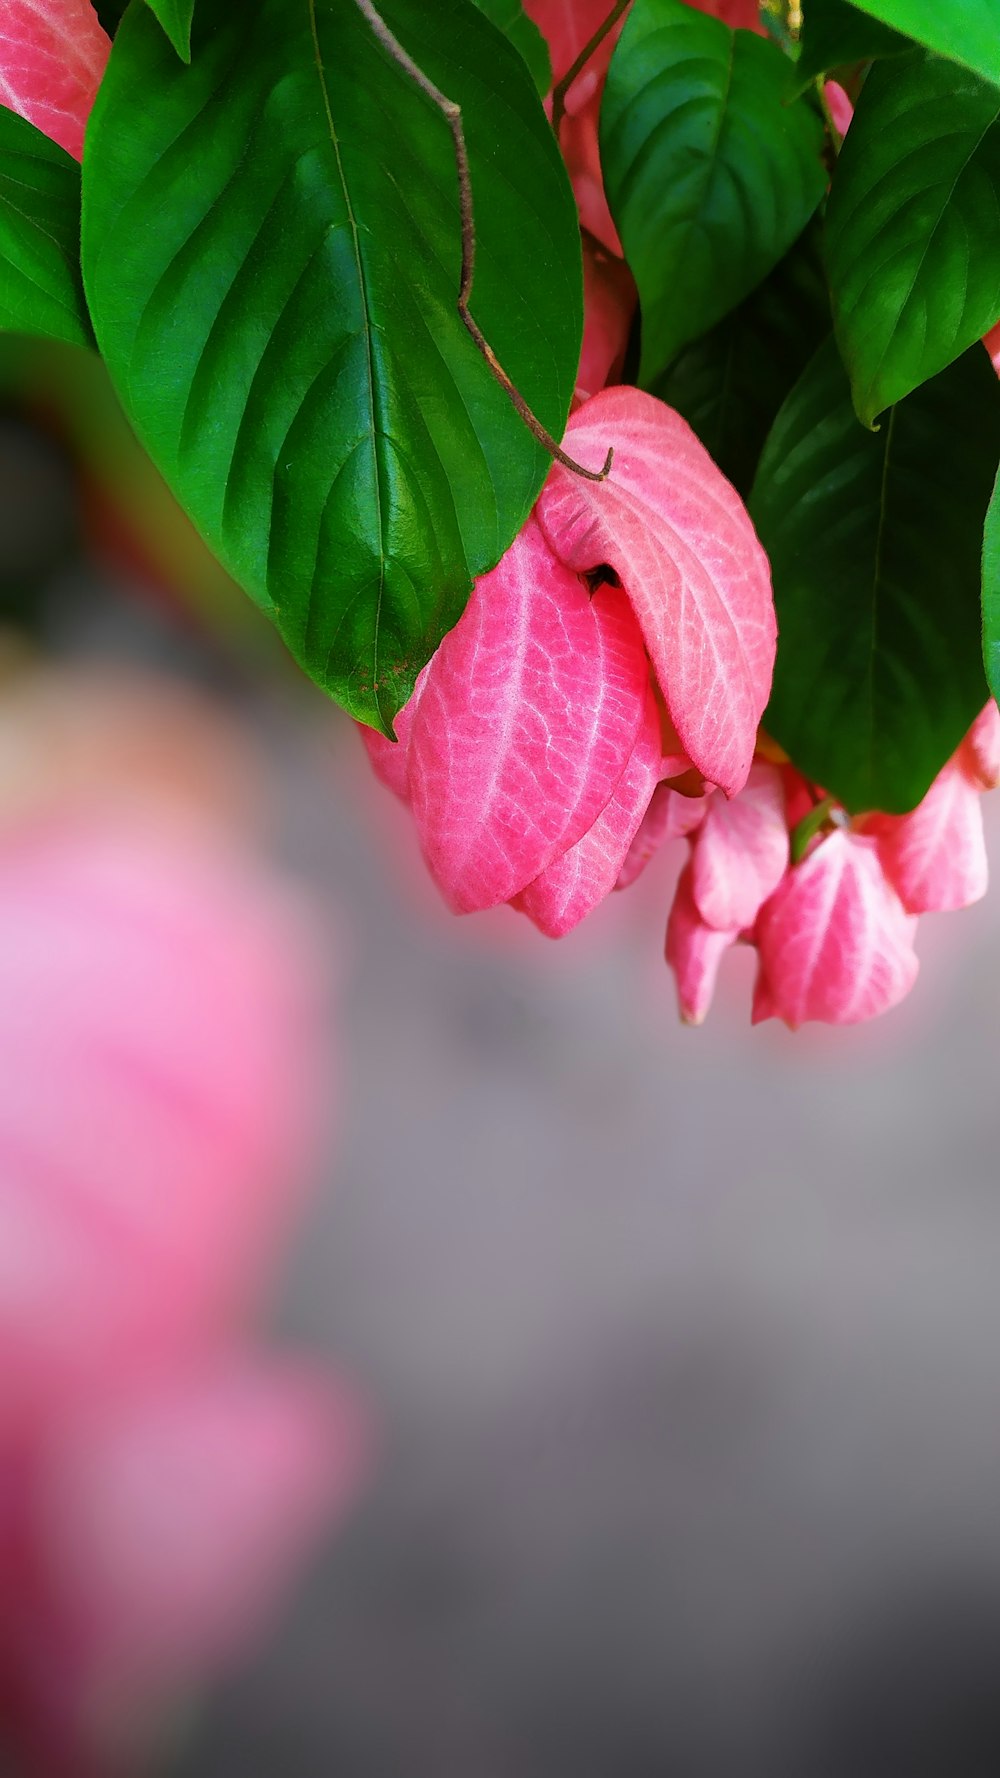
point(369, 342)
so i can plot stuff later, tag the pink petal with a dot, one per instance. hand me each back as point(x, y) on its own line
point(694, 952)
point(841, 109)
point(169, 1523)
point(567, 26)
point(52, 57)
point(979, 753)
point(529, 715)
point(741, 851)
point(680, 541)
point(609, 303)
point(164, 992)
point(835, 942)
point(935, 857)
point(740, 14)
point(574, 884)
point(580, 144)
point(991, 341)
point(670, 816)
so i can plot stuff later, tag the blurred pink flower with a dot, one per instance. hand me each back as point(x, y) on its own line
point(166, 1074)
point(52, 57)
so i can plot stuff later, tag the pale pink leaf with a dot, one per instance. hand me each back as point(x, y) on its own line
point(670, 816)
point(571, 886)
point(979, 753)
point(529, 714)
point(740, 852)
point(694, 952)
point(52, 57)
point(835, 941)
point(935, 857)
point(680, 540)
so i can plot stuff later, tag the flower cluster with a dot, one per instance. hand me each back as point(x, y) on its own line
point(830, 904)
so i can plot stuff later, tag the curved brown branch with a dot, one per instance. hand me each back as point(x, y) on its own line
point(562, 88)
point(453, 116)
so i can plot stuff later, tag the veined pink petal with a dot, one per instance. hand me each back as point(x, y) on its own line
point(390, 760)
point(694, 952)
point(740, 853)
point(935, 858)
point(680, 540)
point(670, 816)
point(52, 57)
point(530, 712)
point(835, 941)
point(979, 754)
point(609, 303)
point(571, 886)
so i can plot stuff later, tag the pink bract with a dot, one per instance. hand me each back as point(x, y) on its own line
point(835, 942)
point(528, 717)
point(679, 539)
point(740, 853)
point(979, 754)
point(609, 303)
point(670, 816)
point(573, 885)
point(52, 57)
point(935, 857)
point(162, 992)
point(694, 952)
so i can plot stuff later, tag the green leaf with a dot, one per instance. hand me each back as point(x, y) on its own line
point(964, 30)
point(836, 35)
point(874, 541)
point(730, 384)
point(176, 17)
point(711, 173)
point(510, 17)
point(272, 248)
point(913, 226)
point(40, 286)
point(991, 592)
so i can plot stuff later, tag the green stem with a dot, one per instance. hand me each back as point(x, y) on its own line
point(808, 827)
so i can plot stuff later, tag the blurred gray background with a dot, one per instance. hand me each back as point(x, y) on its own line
point(684, 1344)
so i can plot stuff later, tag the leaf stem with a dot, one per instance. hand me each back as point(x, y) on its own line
point(560, 91)
point(452, 114)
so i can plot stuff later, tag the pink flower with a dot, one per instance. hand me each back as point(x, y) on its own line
point(165, 1074)
point(609, 303)
point(935, 857)
point(694, 952)
point(834, 941)
point(52, 58)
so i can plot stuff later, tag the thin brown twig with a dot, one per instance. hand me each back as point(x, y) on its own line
point(453, 116)
point(560, 91)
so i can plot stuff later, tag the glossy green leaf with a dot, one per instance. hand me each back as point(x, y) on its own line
point(40, 287)
point(874, 540)
point(838, 35)
point(913, 226)
point(991, 592)
point(711, 172)
point(176, 17)
point(965, 30)
point(272, 253)
point(510, 17)
point(730, 384)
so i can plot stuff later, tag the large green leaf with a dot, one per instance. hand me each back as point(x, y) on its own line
point(176, 17)
point(874, 540)
point(991, 592)
point(40, 287)
point(730, 384)
point(913, 226)
point(510, 17)
point(836, 34)
point(965, 30)
point(711, 172)
point(272, 254)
